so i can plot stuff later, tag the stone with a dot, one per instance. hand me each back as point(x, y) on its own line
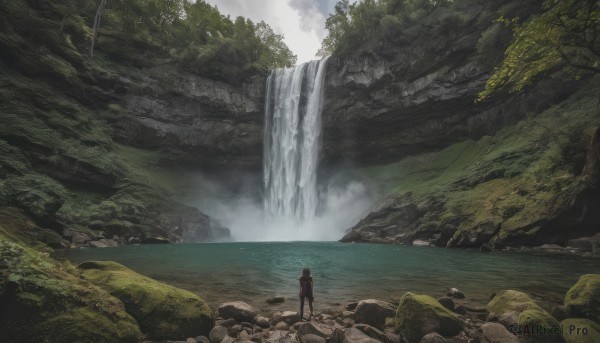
point(235, 330)
point(282, 326)
point(238, 310)
point(217, 334)
point(455, 293)
point(351, 335)
point(497, 333)
point(311, 328)
point(280, 336)
point(535, 318)
point(276, 299)
point(79, 238)
point(418, 315)
point(447, 303)
point(433, 337)
point(191, 340)
point(226, 322)
point(373, 312)
point(583, 299)
point(310, 338)
point(202, 339)
point(347, 314)
point(351, 305)
point(97, 244)
point(289, 317)
point(262, 322)
point(150, 301)
point(460, 310)
point(580, 330)
point(372, 332)
point(134, 240)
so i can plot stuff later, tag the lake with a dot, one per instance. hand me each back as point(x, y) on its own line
point(254, 272)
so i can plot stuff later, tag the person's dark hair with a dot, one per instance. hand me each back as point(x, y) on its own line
point(305, 272)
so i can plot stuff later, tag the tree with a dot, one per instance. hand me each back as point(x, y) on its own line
point(565, 37)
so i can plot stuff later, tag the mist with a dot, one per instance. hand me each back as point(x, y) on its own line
point(341, 206)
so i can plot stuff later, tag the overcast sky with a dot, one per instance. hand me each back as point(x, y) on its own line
point(302, 22)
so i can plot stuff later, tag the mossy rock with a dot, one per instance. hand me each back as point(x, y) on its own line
point(583, 299)
point(580, 330)
point(543, 327)
point(164, 312)
point(509, 301)
point(42, 300)
point(418, 315)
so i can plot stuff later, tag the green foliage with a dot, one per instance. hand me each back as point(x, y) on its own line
point(564, 37)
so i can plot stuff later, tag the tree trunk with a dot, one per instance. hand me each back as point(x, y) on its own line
point(99, 11)
point(592, 164)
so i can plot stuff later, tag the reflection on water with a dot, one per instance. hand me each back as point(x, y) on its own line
point(254, 272)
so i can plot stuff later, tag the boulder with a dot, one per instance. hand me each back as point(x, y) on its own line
point(310, 338)
point(583, 299)
point(310, 328)
point(262, 322)
point(419, 315)
point(447, 303)
point(162, 311)
point(455, 293)
point(497, 333)
point(238, 310)
point(282, 326)
point(351, 335)
point(433, 337)
point(276, 299)
point(279, 336)
point(580, 330)
point(372, 332)
point(351, 305)
point(289, 317)
point(373, 312)
point(508, 305)
point(539, 320)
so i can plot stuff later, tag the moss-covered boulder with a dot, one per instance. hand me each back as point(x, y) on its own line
point(42, 300)
point(583, 299)
point(580, 330)
point(162, 311)
point(507, 305)
point(542, 327)
point(418, 315)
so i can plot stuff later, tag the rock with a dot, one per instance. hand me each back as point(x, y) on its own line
point(419, 315)
point(535, 318)
point(217, 334)
point(191, 340)
point(447, 303)
point(97, 244)
point(282, 326)
point(202, 339)
point(433, 337)
point(373, 312)
point(238, 310)
point(276, 299)
point(226, 322)
point(372, 332)
point(486, 248)
point(279, 336)
point(347, 314)
point(351, 305)
point(311, 328)
point(455, 293)
point(150, 301)
point(289, 317)
point(460, 310)
point(235, 330)
point(420, 243)
point(583, 299)
point(134, 240)
point(262, 322)
point(310, 338)
point(580, 330)
point(79, 238)
point(351, 335)
point(584, 244)
point(509, 304)
point(497, 333)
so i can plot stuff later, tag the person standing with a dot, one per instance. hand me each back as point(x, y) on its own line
point(306, 291)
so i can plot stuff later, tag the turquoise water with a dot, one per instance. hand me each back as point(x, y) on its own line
point(253, 272)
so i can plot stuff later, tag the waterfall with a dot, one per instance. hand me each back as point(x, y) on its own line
point(292, 138)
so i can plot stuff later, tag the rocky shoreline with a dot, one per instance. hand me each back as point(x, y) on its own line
point(509, 316)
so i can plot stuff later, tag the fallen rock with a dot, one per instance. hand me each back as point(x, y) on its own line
point(583, 299)
point(497, 333)
point(373, 312)
point(276, 299)
point(238, 310)
point(419, 315)
point(455, 293)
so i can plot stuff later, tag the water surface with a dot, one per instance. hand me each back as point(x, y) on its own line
point(253, 272)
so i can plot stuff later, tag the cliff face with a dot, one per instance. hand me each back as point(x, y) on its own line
point(197, 120)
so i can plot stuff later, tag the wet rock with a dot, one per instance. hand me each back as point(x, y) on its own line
point(311, 328)
point(583, 299)
point(276, 299)
point(372, 332)
point(419, 315)
point(373, 312)
point(455, 293)
point(433, 337)
point(586, 244)
point(497, 333)
point(262, 322)
point(310, 338)
point(226, 322)
point(282, 326)
point(460, 310)
point(347, 314)
point(238, 310)
point(289, 317)
point(279, 336)
point(235, 330)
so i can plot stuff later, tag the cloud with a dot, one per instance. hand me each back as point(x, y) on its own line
point(302, 22)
